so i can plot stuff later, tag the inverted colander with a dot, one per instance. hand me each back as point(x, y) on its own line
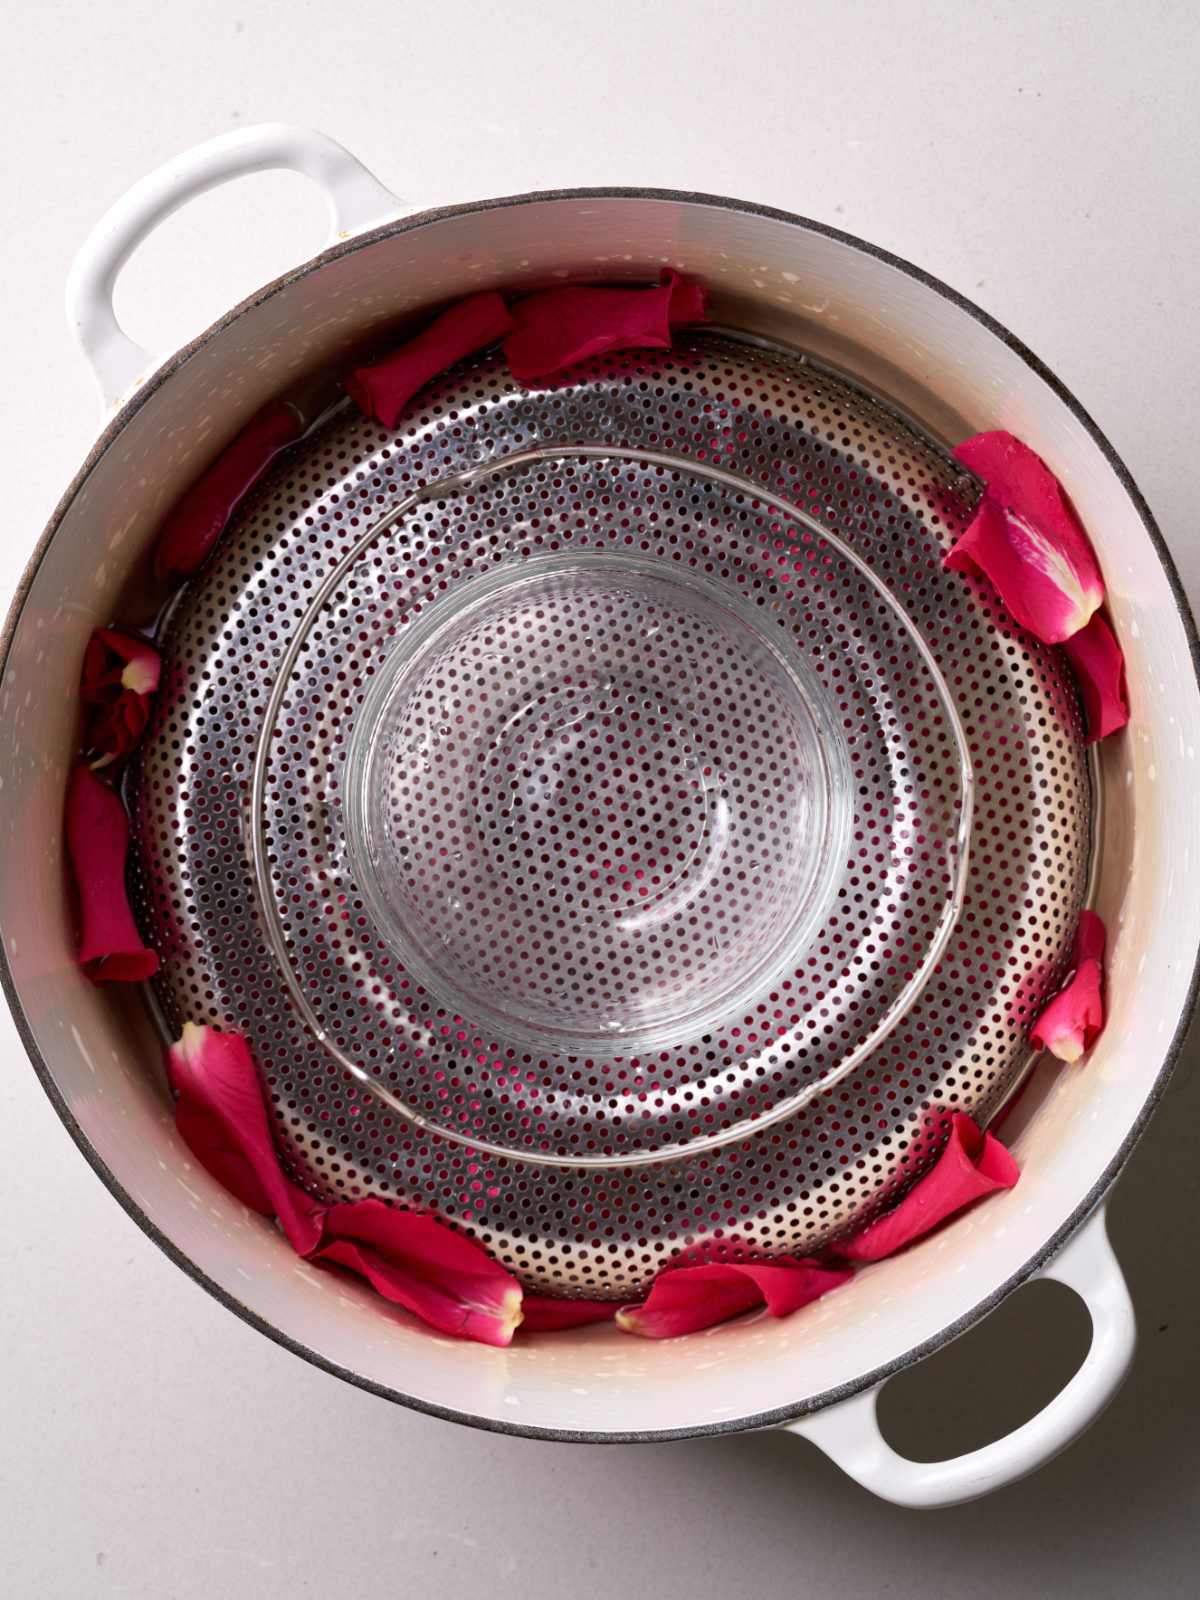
point(570, 795)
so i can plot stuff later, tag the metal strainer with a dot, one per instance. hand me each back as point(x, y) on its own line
point(572, 798)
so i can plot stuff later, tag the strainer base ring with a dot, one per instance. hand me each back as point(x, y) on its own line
point(623, 1119)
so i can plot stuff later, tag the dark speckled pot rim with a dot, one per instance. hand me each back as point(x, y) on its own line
point(801, 1407)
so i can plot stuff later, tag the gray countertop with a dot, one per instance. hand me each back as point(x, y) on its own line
point(1043, 159)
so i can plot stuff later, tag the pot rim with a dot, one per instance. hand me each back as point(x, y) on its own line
point(799, 1408)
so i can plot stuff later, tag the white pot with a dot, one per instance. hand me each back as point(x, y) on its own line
point(943, 360)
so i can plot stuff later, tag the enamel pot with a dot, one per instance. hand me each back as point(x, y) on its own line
point(949, 365)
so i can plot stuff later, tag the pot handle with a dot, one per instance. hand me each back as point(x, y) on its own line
point(849, 1433)
point(357, 201)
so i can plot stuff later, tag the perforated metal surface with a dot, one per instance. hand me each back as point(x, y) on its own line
point(456, 823)
point(857, 471)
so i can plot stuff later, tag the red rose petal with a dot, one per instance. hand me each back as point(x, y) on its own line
point(1043, 593)
point(686, 1299)
point(689, 300)
point(971, 1165)
point(202, 514)
point(1100, 672)
point(1027, 541)
point(383, 389)
point(1073, 1020)
point(120, 674)
point(445, 1279)
point(544, 1314)
point(1074, 1017)
point(442, 1277)
point(221, 1118)
point(1019, 480)
point(558, 328)
point(1091, 936)
point(97, 830)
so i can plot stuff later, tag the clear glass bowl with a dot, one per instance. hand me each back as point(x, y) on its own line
point(594, 804)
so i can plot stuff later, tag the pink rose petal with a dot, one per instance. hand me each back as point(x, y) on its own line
point(1099, 668)
point(445, 1279)
point(1091, 936)
point(97, 830)
point(120, 674)
point(202, 514)
point(971, 1165)
point(558, 328)
point(544, 1314)
point(1075, 1017)
point(221, 1118)
point(689, 299)
point(1027, 541)
point(383, 389)
point(686, 1299)
point(442, 1277)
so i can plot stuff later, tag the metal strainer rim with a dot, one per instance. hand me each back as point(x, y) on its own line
point(257, 849)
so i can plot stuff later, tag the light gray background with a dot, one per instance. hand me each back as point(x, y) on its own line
point(1042, 158)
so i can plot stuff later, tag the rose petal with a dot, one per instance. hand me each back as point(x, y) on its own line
point(689, 299)
point(120, 673)
point(1090, 938)
point(221, 1117)
point(1075, 1017)
point(686, 1299)
point(97, 830)
point(972, 1164)
point(1042, 592)
point(558, 328)
point(202, 514)
point(1027, 541)
point(544, 1314)
point(383, 389)
point(445, 1279)
point(1100, 672)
